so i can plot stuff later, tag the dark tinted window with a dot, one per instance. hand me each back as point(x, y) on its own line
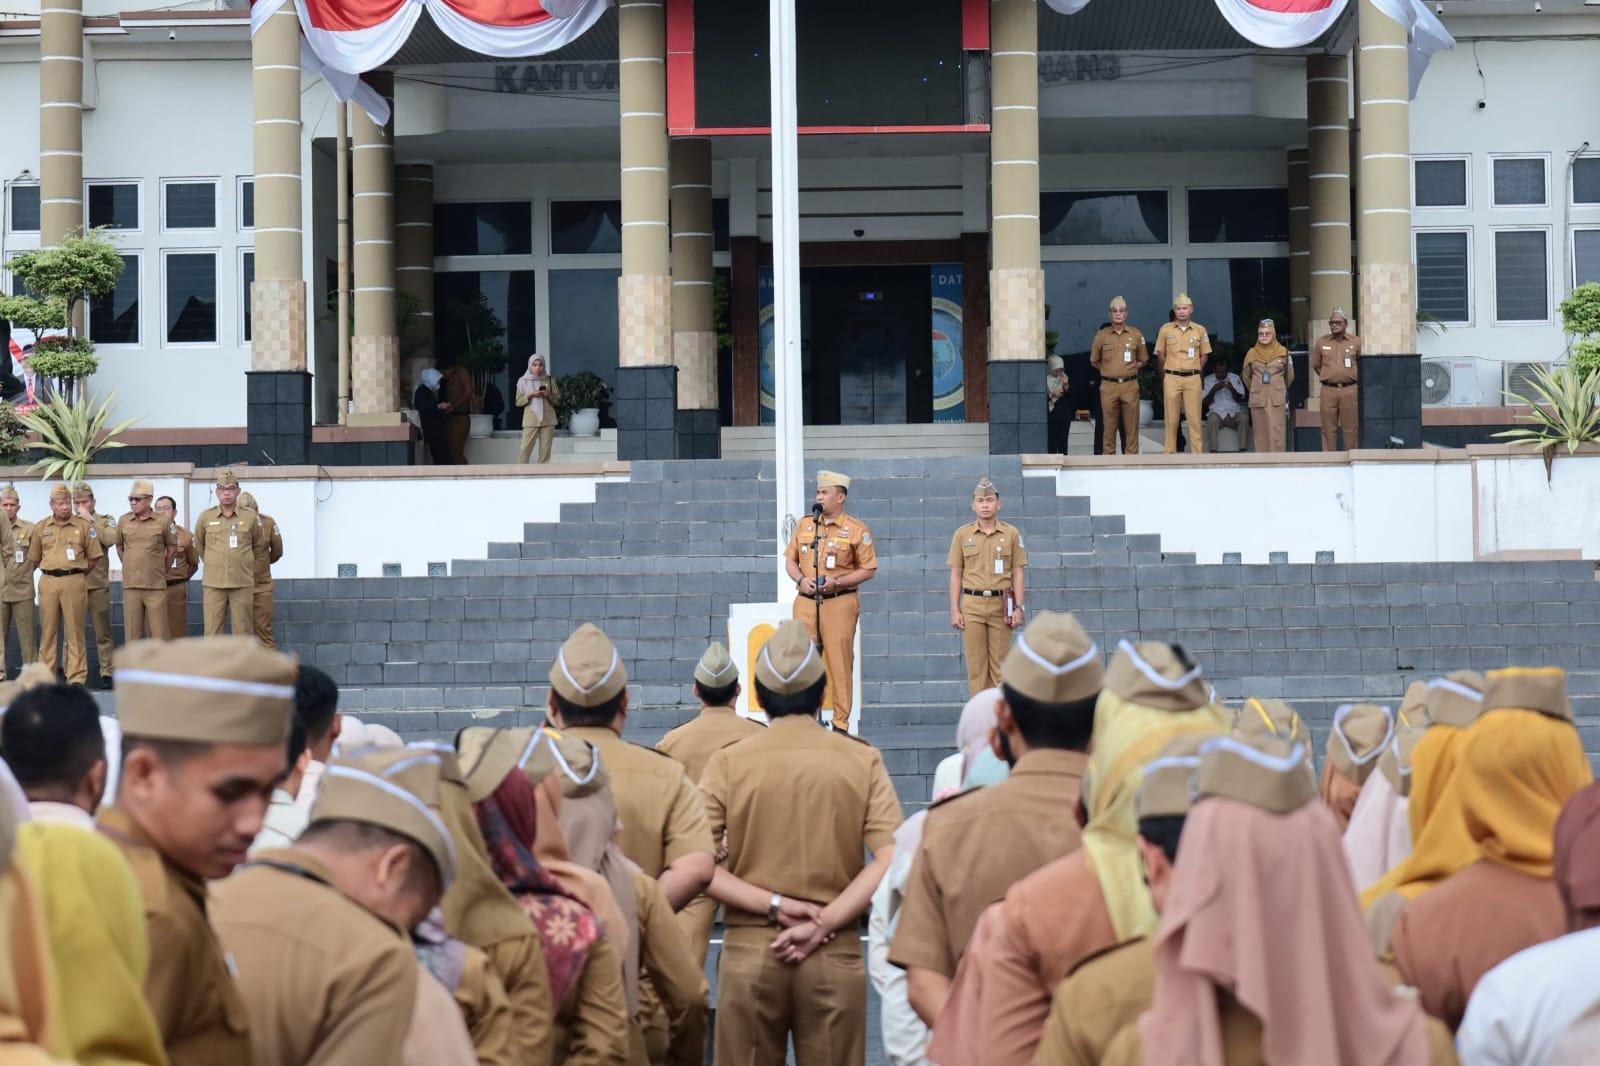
point(114, 206)
point(191, 204)
point(115, 319)
point(586, 227)
point(1103, 218)
point(1232, 296)
point(25, 209)
point(1233, 215)
point(1521, 276)
point(1441, 182)
point(1519, 182)
point(483, 229)
point(247, 204)
point(247, 273)
point(1586, 180)
point(1586, 256)
point(1442, 276)
point(719, 224)
point(192, 298)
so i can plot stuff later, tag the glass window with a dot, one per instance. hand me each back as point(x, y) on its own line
point(1068, 218)
point(583, 322)
point(247, 277)
point(114, 206)
point(1441, 182)
point(1586, 180)
point(247, 204)
point(1077, 295)
point(489, 309)
point(1519, 183)
point(1232, 295)
point(1444, 276)
point(1217, 216)
point(24, 209)
point(18, 286)
point(1521, 276)
point(586, 227)
point(1585, 256)
point(719, 224)
point(191, 297)
point(483, 229)
point(115, 320)
point(190, 204)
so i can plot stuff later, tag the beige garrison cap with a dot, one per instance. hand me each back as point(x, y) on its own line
point(1054, 661)
point(1151, 674)
point(984, 488)
point(1455, 699)
point(1413, 706)
point(395, 789)
point(60, 492)
point(1267, 772)
point(1167, 789)
point(588, 671)
point(788, 661)
point(1182, 300)
point(1395, 762)
point(142, 488)
point(488, 755)
point(1360, 733)
point(1117, 303)
point(9, 493)
point(575, 762)
point(715, 668)
point(226, 478)
point(1270, 718)
point(214, 690)
point(449, 765)
point(1528, 688)
point(82, 491)
point(829, 479)
point(248, 501)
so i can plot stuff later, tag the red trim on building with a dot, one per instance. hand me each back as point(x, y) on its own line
point(680, 67)
point(975, 25)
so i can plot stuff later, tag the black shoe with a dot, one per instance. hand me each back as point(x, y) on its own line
point(107, 683)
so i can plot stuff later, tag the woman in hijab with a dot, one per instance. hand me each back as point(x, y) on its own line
point(27, 980)
point(1058, 422)
point(426, 401)
point(1378, 836)
point(1268, 372)
point(537, 394)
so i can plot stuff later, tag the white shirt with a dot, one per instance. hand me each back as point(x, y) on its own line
point(284, 823)
point(905, 1038)
point(1520, 1009)
point(1224, 404)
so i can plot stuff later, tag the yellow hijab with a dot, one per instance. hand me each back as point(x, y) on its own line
point(1441, 845)
point(27, 981)
point(1517, 769)
point(1258, 354)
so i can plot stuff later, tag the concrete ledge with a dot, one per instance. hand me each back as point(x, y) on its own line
point(407, 473)
point(1511, 450)
point(1426, 454)
point(401, 430)
point(184, 435)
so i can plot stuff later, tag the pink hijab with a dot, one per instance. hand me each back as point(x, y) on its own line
point(1378, 837)
point(978, 719)
point(1262, 906)
point(527, 382)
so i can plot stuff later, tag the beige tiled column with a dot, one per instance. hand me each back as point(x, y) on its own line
point(1016, 282)
point(1387, 303)
point(1328, 182)
point(1299, 244)
point(278, 294)
point(60, 120)
point(644, 292)
point(413, 234)
point(694, 338)
point(374, 347)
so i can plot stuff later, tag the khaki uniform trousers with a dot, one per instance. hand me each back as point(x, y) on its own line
point(100, 619)
point(1119, 408)
point(20, 613)
point(262, 608)
point(178, 610)
point(63, 601)
point(1270, 427)
point(544, 436)
point(237, 605)
point(822, 1002)
point(986, 640)
point(698, 920)
point(839, 617)
point(1181, 395)
point(1339, 414)
point(144, 614)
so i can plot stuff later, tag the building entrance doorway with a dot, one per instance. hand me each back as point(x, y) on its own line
point(864, 345)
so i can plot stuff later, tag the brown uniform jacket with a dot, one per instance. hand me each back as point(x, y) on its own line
point(481, 997)
point(976, 845)
point(976, 553)
point(228, 547)
point(274, 538)
point(1329, 358)
point(19, 575)
point(680, 985)
point(52, 541)
point(695, 741)
point(1182, 346)
point(326, 981)
point(1118, 353)
point(191, 987)
point(187, 559)
point(846, 540)
point(550, 402)
point(142, 545)
point(1275, 391)
point(459, 392)
point(799, 804)
point(662, 816)
point(592, 1027)
point(105, 531)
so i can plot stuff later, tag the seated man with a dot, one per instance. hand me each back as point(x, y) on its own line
point(1222, 394)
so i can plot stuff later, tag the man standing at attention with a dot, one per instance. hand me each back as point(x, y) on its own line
point(16, 598)
point(1182, 347)
point(229, 541)
point(986, 562)
point(98, 582)
point(182, 566)
point(264, 588)
point(1118, 353)
point(828, 558)
point(64, 546)
point(1335, 359)
point(146, 544)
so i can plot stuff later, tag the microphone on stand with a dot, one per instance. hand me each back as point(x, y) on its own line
point(816, 510)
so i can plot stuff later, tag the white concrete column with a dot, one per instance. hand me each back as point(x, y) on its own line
point(1016, 282)
point(1387, 303)
point(644, 292)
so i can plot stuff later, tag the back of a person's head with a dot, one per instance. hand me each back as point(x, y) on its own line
point(316, 702)
point(51, 738)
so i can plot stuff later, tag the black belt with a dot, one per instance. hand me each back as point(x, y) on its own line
point(1117, 381)
point(986, 593)
point(65, 573)
point(171, 581)
point(1338, 384)
point(1182, 373)
point(831, 595)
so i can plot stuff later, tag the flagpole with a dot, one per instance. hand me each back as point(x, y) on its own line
point(789, 416)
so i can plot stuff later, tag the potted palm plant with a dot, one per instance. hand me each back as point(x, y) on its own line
point(581, 396)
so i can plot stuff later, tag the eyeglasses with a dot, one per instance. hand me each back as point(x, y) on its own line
point(136, 499)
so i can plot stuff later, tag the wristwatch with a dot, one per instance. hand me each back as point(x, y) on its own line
point(774, 907)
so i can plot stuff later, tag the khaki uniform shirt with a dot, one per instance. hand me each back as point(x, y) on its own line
point(1105, 994)
point(325, 980)
point(229, 547)
point(142, 545)
point(987, 560)
point(187, 559)
point(846, 545)
point(976, 845)
point(1336, 362)
point(665, 958)
point(191, 987)
point(1119, 353)
point(105, 531)
point(695, 741)
point(1182, 346)
point(69, 545)
point(19, 575)
point(800, 804)
point(662, 816)
point(274, 538)
point(481, 997)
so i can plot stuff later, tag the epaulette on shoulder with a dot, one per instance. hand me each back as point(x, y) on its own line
point(954, 797)
point(1102, 953)
point(851, 736)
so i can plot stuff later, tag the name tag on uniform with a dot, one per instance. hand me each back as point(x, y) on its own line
point(72, 556)
point(1127, 356)
point(1191, 351)
point(999, 566)
point(1266, 377)
point(233, 540)
point(832, 559)
point(1347, 362)
point(19, 555)
point(174, 564)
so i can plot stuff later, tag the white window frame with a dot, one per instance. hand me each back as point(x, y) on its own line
point(1572, 244)
point(137, 183)
point(1543, 157)
point(1472, 303)
point(166, 326)
point(244, 293)
point(1466, 167)
point(10, 229)
point(1494, 279)
point(238, 202)
point(1168, 244)
point(119, 345)
point(216, 205)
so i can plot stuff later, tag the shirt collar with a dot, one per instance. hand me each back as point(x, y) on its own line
point(1053, 761)
point(61, 814)
point(120, 825)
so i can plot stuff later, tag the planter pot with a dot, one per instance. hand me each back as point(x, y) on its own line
point(1147, 412)
point(585, 422)
point(482, 426)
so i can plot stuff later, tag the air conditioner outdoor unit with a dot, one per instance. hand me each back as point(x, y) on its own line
point(1517, 378)
point(1450, 383)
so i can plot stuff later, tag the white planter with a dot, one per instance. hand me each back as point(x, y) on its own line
point(1147, 412)
point(585, 422)
point(482, 426)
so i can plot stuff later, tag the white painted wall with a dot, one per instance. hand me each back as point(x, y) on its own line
point(1519, 510)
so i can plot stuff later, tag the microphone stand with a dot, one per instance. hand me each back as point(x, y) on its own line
point(818, 578)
